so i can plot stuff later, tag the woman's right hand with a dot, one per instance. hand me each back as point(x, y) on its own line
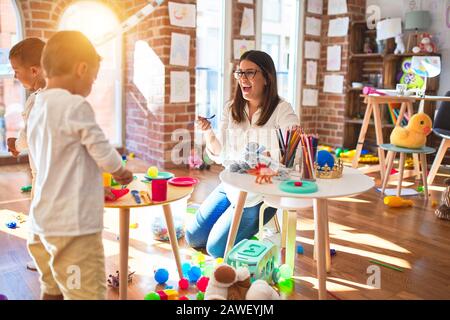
point(203, 124)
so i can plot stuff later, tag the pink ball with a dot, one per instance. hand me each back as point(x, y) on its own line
point(183, 284)
point(202, 284)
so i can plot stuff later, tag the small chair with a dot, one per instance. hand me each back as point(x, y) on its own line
point(392, 153)
point(441, 128)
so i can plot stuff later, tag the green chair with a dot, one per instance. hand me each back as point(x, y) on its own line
point(392, 153)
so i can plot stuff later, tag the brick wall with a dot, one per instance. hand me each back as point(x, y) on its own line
point(328, 118)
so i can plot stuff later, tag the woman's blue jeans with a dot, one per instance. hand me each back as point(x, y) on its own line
point(213, 220)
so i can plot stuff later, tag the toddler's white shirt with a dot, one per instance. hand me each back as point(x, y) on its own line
point(69, 151)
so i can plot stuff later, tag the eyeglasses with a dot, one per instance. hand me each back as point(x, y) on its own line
point(249, 74)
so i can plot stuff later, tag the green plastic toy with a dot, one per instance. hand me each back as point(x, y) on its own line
point(26, 188)
point(306, 187)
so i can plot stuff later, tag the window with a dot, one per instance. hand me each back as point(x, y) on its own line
point(210, 61)
point(12, 95)
point(94, 20)
point(279, 38)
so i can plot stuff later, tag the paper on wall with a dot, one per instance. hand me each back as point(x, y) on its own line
point(338, 27)
point(315, 6)
point(334, 58)
point(311, 73)
point(248, 23)
point(179, 50)
point(246, 1)
point(313, 26)
point(389, 28)
point(312, 50)
point(333, 84)
point(179, 87)
point(182, 15)
point(242, 46)
point(337, 7)
point(310, 97)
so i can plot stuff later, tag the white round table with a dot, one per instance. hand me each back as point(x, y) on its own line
point(353, 182)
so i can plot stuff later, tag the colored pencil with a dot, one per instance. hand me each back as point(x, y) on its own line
point(386, 265)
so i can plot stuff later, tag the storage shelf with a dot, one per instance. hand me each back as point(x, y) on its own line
point(366, 56)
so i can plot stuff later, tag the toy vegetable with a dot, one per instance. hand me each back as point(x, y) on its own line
point(397, 202)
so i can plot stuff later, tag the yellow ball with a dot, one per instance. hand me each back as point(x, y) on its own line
point(152, 172)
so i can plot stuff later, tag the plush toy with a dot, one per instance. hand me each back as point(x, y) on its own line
point(408, 77)
point(397, 202)
point(426, 45)
point(228, 283)
point(400, 48)
point(443, 212)
point(414, 135)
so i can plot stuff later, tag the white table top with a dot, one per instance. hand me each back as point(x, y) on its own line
point(353, 182)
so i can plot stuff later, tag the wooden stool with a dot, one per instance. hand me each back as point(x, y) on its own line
point(392, 153)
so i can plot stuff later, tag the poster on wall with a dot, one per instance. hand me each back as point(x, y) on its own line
point(182, 15)
point(315, 6)
point(248, 23)
point(337, 7)
point(179, 50)
point(312, 50)
point(333, 84)
point(313, 26)
point(334, 54)
point(242, 46)
point(311, 73)
point(338, 27)
point(310, 97)
point(179, 87)
point(246, 1)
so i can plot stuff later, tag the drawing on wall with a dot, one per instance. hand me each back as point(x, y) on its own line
point(248, 23)
point(179, 50)
point(179, 87)
point(182, 15)
point(242, 46)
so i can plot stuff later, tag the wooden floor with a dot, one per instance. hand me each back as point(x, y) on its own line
point(361, 229)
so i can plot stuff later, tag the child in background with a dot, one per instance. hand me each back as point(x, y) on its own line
point(70, 152)
point(25, 58)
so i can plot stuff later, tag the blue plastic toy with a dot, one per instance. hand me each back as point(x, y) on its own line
point(136, 196)
point(300, 249)
point(161, 276)
point(186, 267)
point(332, 252)
point(11, 225)
point(325, 158)
point(194, 274)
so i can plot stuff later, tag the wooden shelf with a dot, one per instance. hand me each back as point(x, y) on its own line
point(366, 56)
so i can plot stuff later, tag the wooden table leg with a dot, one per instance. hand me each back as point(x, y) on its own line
point(261, 221)
point(319, 215)
point(362, 134)
point(401, 168)
point(291, 237)
point(379, 137)
point(445, 144)
point(327, 238)
point(124, 233)
point(236, 221)
point(284, 228)
point(423, 158)
point(401, 114)
point(390, 163)
point(173, 237)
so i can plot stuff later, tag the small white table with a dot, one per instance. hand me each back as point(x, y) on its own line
point(353, 182)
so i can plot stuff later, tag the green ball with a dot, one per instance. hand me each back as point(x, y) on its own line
point(200, 296)
point(152, 296)
point(286, 286)
point(286, 272)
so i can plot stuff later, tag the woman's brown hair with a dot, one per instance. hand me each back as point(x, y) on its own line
point(271, 98)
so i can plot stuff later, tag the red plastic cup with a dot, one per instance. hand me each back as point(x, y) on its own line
point(159, 190)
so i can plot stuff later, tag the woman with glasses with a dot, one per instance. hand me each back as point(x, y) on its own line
point(255, 108)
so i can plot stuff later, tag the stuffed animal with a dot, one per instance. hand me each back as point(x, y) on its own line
point(426, 45)
point(414, 135)
point(408, 77)
point(443, 212)
point(400, 48)
point(228, 283)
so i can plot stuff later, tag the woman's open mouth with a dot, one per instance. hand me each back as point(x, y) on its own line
point(246, 89)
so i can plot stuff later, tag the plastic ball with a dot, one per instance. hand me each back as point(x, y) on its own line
point(183, 298)
point(161, 276)
point(202, 284)
point(332, 252)
point(420, 189)
point(286, 286)
point(152, 172)
point(286, 271)
point(300, 249)
point(325, 158)
point(11, 225)
point(186, 267)
point(183, 284)
point(200, 296)
point(218, 261)
point(194, 274)
point(208, 271)
point(152, 296)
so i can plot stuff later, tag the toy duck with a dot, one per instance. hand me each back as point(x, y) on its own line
point(414, 135)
